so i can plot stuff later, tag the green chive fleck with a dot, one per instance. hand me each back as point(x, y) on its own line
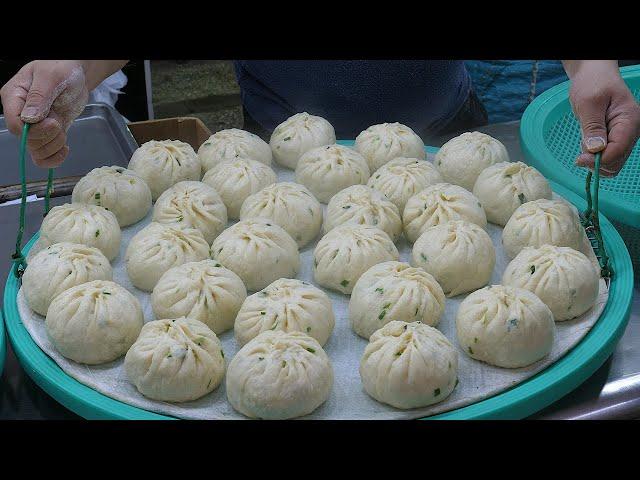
point(344, 283)
point(424, 257)
point(309, 349)
point(436, 392)
point(533, 269)
point(286, 139)
point(263, 313)
point(470, 351)
point(382, 314)
point(106, 293)
point(97, 196)
point(379, 289)
point(522, 198)
point(308, 329)
point(284, 363)
point(475, 340)
point(386, 306)
point(97, 233)
point(222, 353)
point(346, 206)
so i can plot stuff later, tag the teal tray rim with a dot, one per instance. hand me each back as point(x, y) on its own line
point(535, 150)
point(520, 401)
point(3, 343)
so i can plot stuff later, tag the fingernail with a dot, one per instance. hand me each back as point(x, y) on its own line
point(29, 112)
point(595, 144)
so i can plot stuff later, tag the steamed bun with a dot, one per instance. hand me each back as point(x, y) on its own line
point(409, 365)
point(235, 180)
point(460, 255)
point(503, 187)
point(381, 143)
point(563, 278)
point(176, 360)
point(258, 251)
point(438, 204)
point(233, 144)
point(286, 305)
point(464, 157)
point(346, 252)
point(327, 170)
point(279, 375)
point(204, 291)
point(505, 326)
point(401, 178)
point(194, 205)
point(290, 205)
point(60, 267)
point(159, 247)
point(94, 322)
point(117, 189)
point(540, 222)
point(297, 135)
point(361, 205)
point(394, 290)
point(165, 163)
point(85, 224)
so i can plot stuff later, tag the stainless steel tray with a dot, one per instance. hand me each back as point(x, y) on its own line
point(99, 136)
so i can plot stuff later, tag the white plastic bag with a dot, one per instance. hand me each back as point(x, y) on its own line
point(108, 91)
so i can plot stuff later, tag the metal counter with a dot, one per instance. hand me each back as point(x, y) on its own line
point(613, 392)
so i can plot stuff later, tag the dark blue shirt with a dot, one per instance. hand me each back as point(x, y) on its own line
point(352, 95)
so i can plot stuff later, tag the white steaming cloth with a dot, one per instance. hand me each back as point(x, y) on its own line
point(348, 400)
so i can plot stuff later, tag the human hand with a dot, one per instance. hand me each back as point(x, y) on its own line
point(608, 114)
point(49, 94)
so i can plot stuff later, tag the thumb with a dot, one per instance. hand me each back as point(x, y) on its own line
point(43, 91)
point(594, 128)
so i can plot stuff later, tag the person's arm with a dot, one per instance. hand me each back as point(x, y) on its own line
point(608, 114)
point(50, 94)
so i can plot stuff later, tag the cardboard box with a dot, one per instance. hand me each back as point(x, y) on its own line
point(186, 129)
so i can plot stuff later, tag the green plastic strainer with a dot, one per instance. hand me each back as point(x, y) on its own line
point(550, 140)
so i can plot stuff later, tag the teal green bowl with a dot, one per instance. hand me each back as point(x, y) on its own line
point(520, 401)
point(3, 343)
